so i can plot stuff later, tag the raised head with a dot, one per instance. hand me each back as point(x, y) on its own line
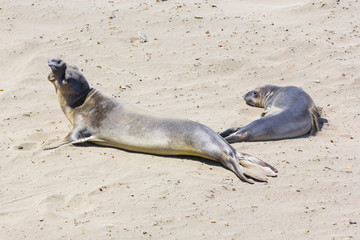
point(57, 66)
point(259, 96)
point(68, 80)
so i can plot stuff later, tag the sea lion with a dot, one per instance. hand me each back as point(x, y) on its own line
point(288, 112)
point(107, 121)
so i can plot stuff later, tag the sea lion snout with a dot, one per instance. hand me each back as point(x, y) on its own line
point(250, 97)
point(54, 62)
point(57, 66)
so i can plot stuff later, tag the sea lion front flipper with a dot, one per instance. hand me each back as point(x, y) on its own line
point(61, 144)
point(266, 110)
point(74, 137)
point(67, 140)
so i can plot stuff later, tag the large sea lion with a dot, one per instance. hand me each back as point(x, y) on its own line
point(288, 112)
point(107, 121)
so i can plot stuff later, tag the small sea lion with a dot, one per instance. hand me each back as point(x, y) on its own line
point(288, 112)
point(107, 121)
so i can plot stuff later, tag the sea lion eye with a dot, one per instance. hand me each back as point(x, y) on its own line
point(254, 93)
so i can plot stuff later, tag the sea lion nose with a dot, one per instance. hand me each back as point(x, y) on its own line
point(54, 61)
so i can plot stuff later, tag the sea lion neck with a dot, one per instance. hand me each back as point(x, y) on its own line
point(270, 92)
point(80, 100)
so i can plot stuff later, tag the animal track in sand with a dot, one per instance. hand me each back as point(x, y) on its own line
point(25, 146)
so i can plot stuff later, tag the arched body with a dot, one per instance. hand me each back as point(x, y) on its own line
point(107, 121)
point(288, 112)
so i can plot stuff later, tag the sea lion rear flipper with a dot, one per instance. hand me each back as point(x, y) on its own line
point(258, 161)
point(256, 168)
point(315, 113)
point(239, 136)
point(253, 171)
point(228, 131)
point(235, 137)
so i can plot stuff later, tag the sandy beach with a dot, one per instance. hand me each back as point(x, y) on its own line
point(199, 59)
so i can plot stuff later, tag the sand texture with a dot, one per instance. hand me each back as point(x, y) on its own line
point(200, 58)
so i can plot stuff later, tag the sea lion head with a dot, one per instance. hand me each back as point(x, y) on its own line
point(71, 83)
point(57, 66)
point(260, 96)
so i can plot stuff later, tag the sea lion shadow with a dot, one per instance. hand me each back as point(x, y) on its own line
point(183, 157)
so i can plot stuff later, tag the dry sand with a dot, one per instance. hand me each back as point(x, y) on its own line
point(199, 59)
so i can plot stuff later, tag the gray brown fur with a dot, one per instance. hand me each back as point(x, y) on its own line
point(104, 120)
point(289, 112)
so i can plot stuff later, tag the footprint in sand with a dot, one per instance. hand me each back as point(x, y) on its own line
point(25, 146)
